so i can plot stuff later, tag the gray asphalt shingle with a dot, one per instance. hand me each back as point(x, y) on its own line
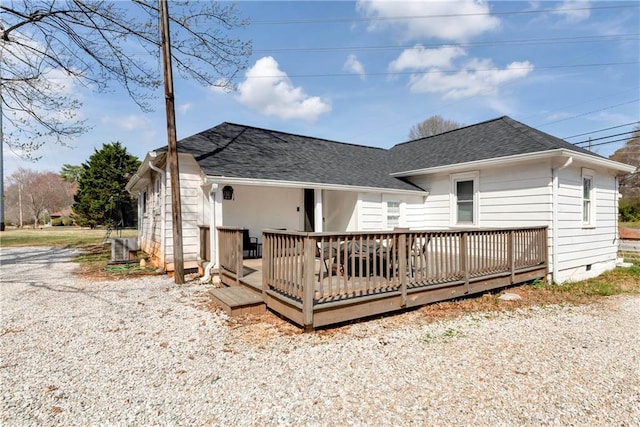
point(240, 151)
point(495, 138)
point(246, 152)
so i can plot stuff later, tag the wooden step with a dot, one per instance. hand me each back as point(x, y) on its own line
point(238, 301)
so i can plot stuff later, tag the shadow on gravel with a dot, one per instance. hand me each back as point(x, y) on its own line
point(11, 256)
point(74, 290)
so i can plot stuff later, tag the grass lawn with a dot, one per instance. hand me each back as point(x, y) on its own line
point(94, 259)
point(69, 237)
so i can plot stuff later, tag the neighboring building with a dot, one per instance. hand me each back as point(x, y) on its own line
point(498, 173)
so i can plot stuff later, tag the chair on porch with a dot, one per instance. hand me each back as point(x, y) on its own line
point(250, 245)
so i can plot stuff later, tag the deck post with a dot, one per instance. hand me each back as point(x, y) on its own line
point(512, 258)
point(239, 257)
point(545, 250)
point(266, 263)
point(402, 266)
point(464, 260)
point(307, 281)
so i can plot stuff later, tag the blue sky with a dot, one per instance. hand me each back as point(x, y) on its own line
point(364, 72)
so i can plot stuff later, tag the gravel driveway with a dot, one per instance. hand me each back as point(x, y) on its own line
point(144, 352)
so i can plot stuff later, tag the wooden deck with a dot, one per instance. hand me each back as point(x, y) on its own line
point(317, 279)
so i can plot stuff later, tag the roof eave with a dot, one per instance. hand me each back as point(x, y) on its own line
point(299, 184)
point(498, 161)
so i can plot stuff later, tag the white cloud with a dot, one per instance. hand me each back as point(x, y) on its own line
point(270, 91)
point(420, 58)
point(129, 123)
point(354, 66)
point(574, 16)
point(184, 108)
point(431, 19)
point(476, 77)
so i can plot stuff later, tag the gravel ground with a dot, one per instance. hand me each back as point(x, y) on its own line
point(146, 352)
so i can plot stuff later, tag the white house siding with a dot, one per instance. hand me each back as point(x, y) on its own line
point(413, 212)
point(370, 212)
point(516, 196)
point(190, 199)
point(150, 221)
point(580, 246)
point(437, 206)
point(258, 208)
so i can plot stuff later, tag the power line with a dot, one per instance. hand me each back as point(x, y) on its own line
point(583, 39)
point(590, 112)
point(448, 15)
point(602, 130)
point(603, 137)
point(435, 71)
point(606, 143)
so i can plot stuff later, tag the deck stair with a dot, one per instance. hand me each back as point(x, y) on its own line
point(238, 300)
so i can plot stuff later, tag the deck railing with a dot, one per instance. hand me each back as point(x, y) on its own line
point(304, 275)
point(230, 252)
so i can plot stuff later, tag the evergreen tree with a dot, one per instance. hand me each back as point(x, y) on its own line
point(101, 198)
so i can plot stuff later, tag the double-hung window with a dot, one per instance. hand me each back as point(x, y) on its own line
point(588, 198)
point(464, 189)
point(393, 214)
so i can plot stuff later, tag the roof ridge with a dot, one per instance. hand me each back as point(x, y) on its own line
point(452, 130)
point(273, 132)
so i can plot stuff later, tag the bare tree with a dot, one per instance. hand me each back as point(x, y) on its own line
point(432, 126)
point(630, 154)
point(49, 46)
point(33, 194)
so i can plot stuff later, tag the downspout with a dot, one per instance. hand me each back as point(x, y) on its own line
point(213, 250)
point(554, 220)
point(163, 208)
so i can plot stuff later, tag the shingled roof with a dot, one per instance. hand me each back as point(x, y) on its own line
point(240, 151)
point(491, 139)
point(234, 150)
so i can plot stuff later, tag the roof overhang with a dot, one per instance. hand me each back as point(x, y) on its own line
point(620, 168)
point(141, 178)
point(314, 185)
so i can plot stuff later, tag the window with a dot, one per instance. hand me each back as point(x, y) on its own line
point(464, 196)
point(464, 205)
point(157, 194)
point(588, 198)
point(144, 202)
point(393, 214)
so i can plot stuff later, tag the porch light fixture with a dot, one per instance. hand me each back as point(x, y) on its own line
point(227, 192)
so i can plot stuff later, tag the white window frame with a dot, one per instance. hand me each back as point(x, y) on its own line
point(392, 213)
point(460, 177)
point(588, 206)
point(157, 194)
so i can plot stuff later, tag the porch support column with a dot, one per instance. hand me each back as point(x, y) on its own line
point(215, 220)
point(317, 211)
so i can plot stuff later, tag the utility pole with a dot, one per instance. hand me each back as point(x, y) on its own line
point(1, 144)
point(176, 208)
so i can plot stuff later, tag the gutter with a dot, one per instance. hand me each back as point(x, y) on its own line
point(559, 152)
point(163, 208)
point(298, 184)
point(554, 219)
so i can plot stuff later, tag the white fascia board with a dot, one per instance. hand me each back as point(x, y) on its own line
point(315, 185)
point(139, 176)
point(498, 161)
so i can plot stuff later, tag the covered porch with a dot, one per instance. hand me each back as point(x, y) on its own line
point(318, 279)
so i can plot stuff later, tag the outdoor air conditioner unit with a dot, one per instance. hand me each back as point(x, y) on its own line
point(124, 250)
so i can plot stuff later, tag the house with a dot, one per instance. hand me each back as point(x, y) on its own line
point(495, 174)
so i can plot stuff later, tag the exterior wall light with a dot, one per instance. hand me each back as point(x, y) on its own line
point(227, 192)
